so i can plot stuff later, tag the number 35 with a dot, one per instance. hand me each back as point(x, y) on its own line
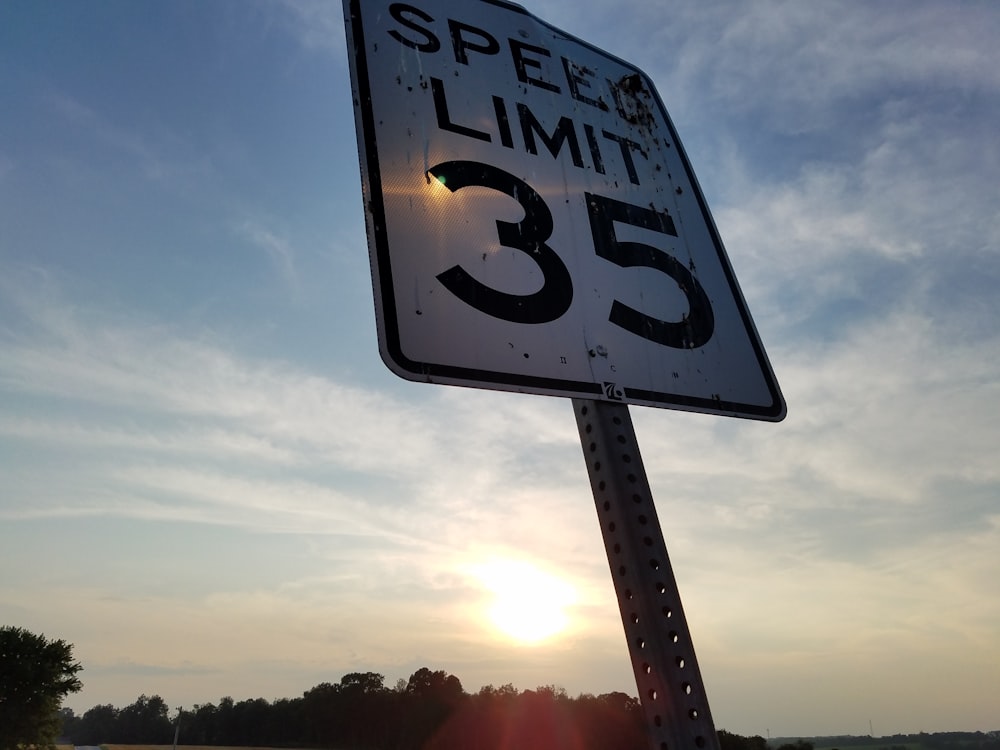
point(554, 298)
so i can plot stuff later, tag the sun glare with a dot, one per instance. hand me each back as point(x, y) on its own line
point(529, 605)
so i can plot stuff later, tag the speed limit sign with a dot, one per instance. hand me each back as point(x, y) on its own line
point(534, 224)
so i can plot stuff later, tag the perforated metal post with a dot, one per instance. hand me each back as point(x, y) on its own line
point(659, 643)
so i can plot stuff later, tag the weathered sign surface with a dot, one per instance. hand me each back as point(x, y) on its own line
point(534, 223)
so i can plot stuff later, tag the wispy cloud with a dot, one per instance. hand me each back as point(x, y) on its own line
point(159, 157)
point(802, 68)
point(204, 410)
point(317, 25)
point(278, 250)
point(188, 440)
point(6, 166)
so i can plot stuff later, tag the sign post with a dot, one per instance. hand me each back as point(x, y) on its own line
point(535, 226)
point(660, 646)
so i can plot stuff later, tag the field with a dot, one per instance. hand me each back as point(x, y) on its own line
point(170, 747)
point(179, 747)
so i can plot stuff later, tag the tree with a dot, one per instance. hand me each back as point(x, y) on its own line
point(35, 675)
point(440, 685)
point(145, 722)
point(362, 682)
point(730, 741)
point(97, 725)
point(430, 698)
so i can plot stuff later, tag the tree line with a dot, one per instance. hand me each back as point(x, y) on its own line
point(430, 710)
point(920, 741)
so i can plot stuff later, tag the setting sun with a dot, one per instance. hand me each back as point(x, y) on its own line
point(529, 604)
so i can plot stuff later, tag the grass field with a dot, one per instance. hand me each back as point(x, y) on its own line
point(179, 747)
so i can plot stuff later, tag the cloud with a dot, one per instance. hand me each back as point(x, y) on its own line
point(6, 167)
point(161, 158)
point(906, 225)
point(133, 669)
point(181, 428)
point(216, 441)
point(278, 249)
point(802, 68)
point(316, 25)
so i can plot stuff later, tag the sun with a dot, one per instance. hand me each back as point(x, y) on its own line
point(528, 604)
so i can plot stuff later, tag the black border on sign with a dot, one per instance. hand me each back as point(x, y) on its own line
point(427, 371)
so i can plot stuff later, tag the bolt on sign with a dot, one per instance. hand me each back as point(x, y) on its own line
point(534, 224)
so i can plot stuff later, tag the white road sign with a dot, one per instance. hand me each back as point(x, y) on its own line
point(533, 222)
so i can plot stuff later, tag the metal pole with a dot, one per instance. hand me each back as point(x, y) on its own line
point(671, 690)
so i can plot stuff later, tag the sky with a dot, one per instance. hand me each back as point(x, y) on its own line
point(211, 485)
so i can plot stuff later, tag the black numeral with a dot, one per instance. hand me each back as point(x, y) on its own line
point(529, 236)
point(695, 328)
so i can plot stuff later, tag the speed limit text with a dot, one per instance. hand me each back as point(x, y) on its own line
point(420, 31)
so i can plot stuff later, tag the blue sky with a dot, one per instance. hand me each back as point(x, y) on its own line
point(211, 485)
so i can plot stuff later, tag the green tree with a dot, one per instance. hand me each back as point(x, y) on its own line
point(145, 722)
point(730, 741)
point(35, 675)
point(430, 698)
point(97, 725)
